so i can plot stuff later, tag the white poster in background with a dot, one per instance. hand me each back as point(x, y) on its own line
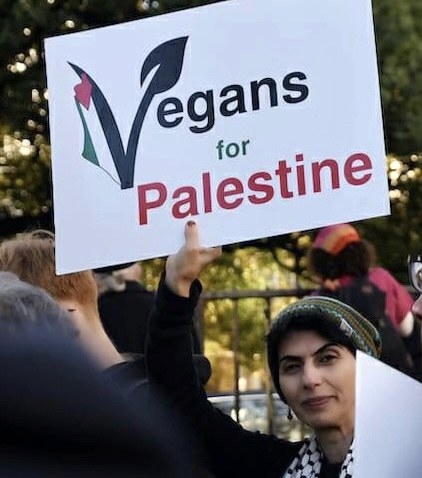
point(388, 422)
point(252, 118)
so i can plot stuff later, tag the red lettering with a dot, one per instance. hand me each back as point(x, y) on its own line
point(300, 172)
point(229, 187)
point(206, 187)
point(357, 163)
point(316, 174)
point(189, 203)
point(282, 172)
point(144, 204)
point(254, 185)
point(258, 188)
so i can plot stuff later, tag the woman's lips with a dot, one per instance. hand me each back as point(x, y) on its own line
point(316, 402)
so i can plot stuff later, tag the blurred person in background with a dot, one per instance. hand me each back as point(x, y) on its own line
point(24, 307)
point(124, 305)
point(60, 417)
point(31, 256)
point(344, 265)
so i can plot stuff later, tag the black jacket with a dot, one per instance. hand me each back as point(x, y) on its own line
point(125, 316)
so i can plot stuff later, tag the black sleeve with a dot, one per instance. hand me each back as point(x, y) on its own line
point(229, 450)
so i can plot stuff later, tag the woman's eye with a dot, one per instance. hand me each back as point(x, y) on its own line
point(328, 358)
point(290, 368)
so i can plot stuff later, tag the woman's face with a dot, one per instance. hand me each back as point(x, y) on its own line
point(317, 378)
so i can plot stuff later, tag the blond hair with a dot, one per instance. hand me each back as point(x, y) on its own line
point(31, 257)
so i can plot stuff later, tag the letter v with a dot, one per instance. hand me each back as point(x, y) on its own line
point(168, 57)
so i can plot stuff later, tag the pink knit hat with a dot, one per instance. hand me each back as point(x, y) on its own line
point(333, 239)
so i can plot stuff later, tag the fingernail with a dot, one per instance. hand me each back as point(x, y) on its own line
point(191, 223)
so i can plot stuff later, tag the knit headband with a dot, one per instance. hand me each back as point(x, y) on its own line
point(353, 326)
point(333, 239)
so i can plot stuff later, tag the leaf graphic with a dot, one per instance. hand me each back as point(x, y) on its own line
point(169, 56)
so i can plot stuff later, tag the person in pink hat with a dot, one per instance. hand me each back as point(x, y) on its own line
point(343, 264)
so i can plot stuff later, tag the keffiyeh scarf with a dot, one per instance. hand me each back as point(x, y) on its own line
point(308, 462)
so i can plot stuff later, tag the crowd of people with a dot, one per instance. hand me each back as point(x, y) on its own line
point(103, 378)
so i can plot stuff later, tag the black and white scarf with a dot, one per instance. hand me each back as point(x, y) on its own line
point(308, 462)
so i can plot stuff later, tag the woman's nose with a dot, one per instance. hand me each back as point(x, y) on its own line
point(311, 376)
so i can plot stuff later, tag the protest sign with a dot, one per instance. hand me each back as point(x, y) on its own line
point(252, 118)
point(388, 421)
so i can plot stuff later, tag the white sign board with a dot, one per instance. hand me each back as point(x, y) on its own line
point(252, 118)
point(388, 422)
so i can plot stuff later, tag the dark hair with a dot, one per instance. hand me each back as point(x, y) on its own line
point(355, 260)
point(280, 329)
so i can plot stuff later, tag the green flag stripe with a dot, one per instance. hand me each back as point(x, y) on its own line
point(89, 150)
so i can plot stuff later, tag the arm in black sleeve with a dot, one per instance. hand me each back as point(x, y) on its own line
point(229, 450)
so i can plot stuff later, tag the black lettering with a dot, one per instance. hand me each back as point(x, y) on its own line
point(272, 88)
point(207, 115)
point(238, 99)
point(289, 86)
point(163, 111)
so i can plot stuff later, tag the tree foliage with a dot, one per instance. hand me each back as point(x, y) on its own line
point(24, 167)
point(399, 39)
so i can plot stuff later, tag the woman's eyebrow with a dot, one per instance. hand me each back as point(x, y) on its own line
point(320, 350)
point(326, 346)
point(290, 357)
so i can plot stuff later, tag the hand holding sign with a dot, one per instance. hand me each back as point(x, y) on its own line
point(185, 266)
